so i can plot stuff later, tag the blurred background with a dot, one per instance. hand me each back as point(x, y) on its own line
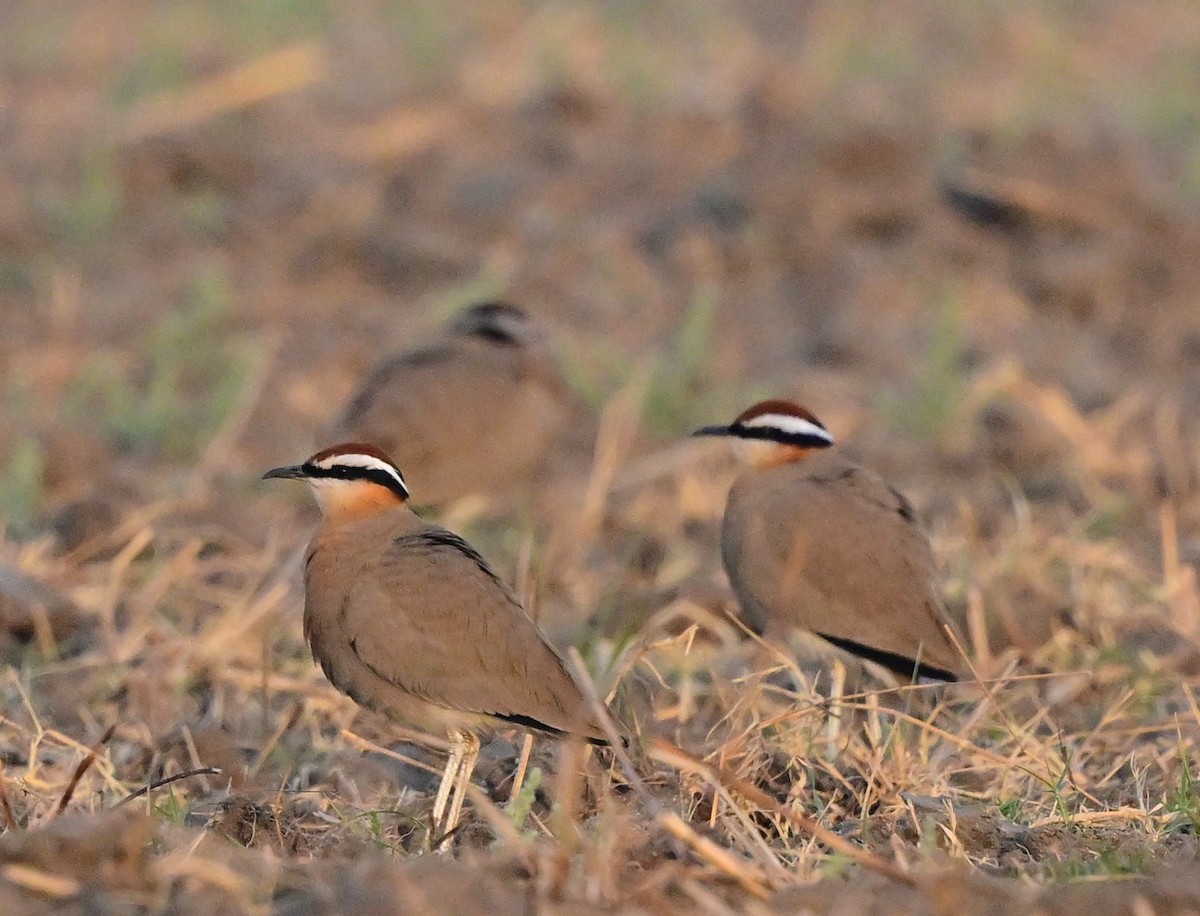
point(967, 236)
point(927, 223)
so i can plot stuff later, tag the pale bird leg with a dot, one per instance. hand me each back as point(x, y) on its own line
point(453, 762)
point(470, 754)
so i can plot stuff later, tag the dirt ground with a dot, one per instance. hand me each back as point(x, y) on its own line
point(966, 236)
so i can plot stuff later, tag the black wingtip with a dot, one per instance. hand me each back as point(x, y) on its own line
point(604, 742)
point(899, 665)
point(535, 725)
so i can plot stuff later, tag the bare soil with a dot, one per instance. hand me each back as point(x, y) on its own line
point(967, 238)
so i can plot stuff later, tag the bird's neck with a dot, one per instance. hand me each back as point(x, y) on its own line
point(758, 453)
point(346, 502)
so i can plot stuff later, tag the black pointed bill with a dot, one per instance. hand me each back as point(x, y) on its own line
point(714, 431)
point(291, 472)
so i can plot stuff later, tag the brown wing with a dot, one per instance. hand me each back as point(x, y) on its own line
point(397, 408)
point(375, 392)
point(433, 619)
point(829, 547)
point(435, 409)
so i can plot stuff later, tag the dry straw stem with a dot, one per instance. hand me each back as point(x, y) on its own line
point(672, 756)
point(42, 735)
point(619, 424)
point(1179, 579)
point(365, 745)
point(10, 819)
point(400, 134)
point(159, 783)
point(715, 855)
point(1022, 736)
point(567, 790)
point(522, 767)
point(1097, 451)
point(498, 821)
point(43, 631)
point(84, 765)
point(849, 703)
point(133, 525)
point(285, 725)
point(40, 882)
point(279, 72)
point(219, 448)
point(670, 821)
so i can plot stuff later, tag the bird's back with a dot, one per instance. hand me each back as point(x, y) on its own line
point(462, 416)
point(414, 624)
point(827, 546)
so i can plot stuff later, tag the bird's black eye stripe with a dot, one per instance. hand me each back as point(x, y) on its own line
point(495, 322)
point(494, 334)
point(372, 475)
point(774, 434)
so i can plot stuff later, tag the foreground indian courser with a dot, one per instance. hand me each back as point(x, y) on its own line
point(811, 541)
point(410, 621)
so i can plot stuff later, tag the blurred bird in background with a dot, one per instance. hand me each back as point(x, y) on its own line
point(477, 413)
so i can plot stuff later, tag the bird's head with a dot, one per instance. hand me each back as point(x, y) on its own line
point(773, 432)
point(496, 323)
point(349, 479)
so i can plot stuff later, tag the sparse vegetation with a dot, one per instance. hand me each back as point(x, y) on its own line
point(961, 221)
point(81, 215)
point(1184, 802)
point(676, 388)
point(21, 484)
point(936, 392)
point(190, 380)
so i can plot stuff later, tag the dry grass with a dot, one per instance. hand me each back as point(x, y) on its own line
point(978, 268)
point(196, 662)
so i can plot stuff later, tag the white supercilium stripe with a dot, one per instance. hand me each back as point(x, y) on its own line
point(790, 424)
point(367, 462)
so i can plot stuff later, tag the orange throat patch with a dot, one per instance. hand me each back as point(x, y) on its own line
point(354, 499)
point(758, 453)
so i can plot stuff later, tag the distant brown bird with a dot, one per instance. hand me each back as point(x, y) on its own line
point(410, 621)
point(474, 412)
point(812, 541)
